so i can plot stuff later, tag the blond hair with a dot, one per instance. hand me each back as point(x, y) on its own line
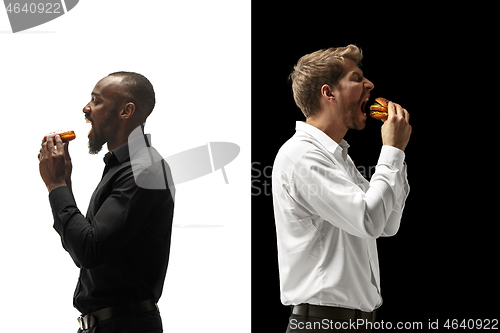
point(314, 70)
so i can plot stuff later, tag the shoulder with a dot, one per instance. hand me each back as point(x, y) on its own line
point(298, 150)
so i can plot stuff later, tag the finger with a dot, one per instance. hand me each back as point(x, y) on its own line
point(391, 110)
point(407, 115)
point(399, 109)
point(59, 143)
point(66, 151)
point(49, 146)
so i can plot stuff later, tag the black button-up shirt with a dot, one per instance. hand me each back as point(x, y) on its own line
point(122, 245)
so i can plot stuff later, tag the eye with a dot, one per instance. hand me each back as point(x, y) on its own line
point(357, 78)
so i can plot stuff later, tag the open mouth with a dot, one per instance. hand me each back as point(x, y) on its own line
point(91, 128)
point(363, 105)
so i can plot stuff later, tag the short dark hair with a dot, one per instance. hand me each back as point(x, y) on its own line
point(140, 89)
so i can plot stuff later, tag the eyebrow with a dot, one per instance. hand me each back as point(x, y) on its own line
point(95, 94)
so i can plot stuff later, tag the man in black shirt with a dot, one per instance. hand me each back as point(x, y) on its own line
point(122, 244)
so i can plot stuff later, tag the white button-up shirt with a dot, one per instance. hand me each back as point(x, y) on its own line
point(328, 217)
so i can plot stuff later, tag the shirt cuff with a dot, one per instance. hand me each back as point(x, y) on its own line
point(392, 155)
point(59, 198)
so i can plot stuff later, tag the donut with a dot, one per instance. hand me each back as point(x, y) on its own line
point(65, 135)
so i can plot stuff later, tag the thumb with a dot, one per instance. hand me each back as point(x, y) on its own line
point(66, 151)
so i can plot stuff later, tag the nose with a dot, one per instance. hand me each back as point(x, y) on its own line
point(369, 85)
point(86, 108)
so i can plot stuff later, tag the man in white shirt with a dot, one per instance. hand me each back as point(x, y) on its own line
point(328, 216)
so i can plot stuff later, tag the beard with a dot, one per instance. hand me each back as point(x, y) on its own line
point(96, 143)
point(350, 115)
point(98, 137)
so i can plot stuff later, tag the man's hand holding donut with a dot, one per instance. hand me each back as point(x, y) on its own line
point(52, 158)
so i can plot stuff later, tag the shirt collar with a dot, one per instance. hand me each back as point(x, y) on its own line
point(323, 138)
point(121, 153)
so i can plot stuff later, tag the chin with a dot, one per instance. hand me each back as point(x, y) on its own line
point(96, 141)
point(354, 119)
point(94, 148)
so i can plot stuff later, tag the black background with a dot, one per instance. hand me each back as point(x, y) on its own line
point(439, 65)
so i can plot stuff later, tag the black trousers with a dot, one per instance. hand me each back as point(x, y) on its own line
point(303, 324)
point(144, 322)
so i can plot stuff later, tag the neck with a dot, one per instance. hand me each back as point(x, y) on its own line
point(121, 137)
point(329, 124)
point(117, 142)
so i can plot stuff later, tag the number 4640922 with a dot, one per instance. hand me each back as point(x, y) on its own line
point(32, 8)
point(485, 324)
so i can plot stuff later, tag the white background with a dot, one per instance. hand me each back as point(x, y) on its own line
point(197, 56)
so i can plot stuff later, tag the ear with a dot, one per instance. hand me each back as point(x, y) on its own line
point(327, 94)
point(128, 110)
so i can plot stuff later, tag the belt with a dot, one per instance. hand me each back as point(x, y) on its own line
point(330, 312)
point(123, 310)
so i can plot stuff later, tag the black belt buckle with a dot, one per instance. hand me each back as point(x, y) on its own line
point(86, 322)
